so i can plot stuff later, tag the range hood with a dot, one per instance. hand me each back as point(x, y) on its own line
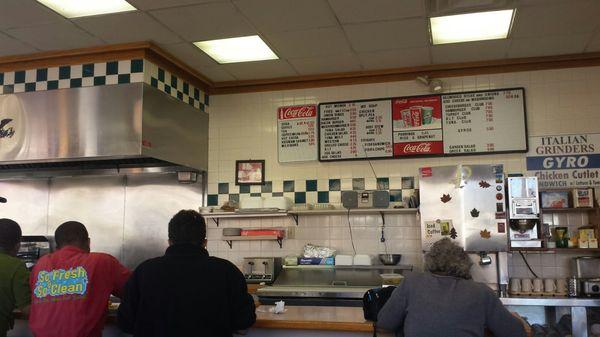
point(126, 124)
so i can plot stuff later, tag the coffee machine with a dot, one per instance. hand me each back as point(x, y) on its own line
point(524, 212)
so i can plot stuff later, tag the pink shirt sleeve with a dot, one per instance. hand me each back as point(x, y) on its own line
point(120, 276)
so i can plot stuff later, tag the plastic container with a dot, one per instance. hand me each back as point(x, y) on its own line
point(391, 279)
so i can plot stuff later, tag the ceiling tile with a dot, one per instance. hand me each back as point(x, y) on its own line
point(550, 45)
point(127, 27)
point(156, 4)
point(386, 35)
point(10, 46)
point(408, 57)
point(312, 42)
point(216, 73)
point(326, 64)
point(570, 17)
point(205, 22)
point(260, 69)
point(22, 13)
point(354, 11)
point(594, 44)
point(55, 36)
point(190, 55)
point(470, 51)
point(285, 15)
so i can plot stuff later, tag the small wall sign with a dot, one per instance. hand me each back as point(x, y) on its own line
point(249, 172)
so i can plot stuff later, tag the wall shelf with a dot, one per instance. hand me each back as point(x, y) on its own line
point(355, 211)
point(557, 250)
point(569, 210)
point(216, 216)
point(372, 267)
point(230, 239)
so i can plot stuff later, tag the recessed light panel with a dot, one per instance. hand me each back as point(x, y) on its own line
point(471, 27)
point(79, 8)
point(237, 49)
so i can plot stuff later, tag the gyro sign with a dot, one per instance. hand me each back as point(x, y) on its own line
point(565, 161)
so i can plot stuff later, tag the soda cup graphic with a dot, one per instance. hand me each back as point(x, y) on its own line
point(416, 113)
point(445, 227)
point(427, 115)
point(406, 118)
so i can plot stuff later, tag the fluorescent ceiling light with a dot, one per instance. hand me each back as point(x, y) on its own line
point(237, 49)
point(471, 27)
point(79, 8)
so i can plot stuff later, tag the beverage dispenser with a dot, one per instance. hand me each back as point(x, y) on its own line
point(524, 212)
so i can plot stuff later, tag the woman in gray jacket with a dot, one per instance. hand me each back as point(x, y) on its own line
point(445, 302)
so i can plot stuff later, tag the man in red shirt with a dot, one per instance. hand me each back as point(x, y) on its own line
point(71, 287)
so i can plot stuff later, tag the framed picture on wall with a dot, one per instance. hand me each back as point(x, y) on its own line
point(249, 172)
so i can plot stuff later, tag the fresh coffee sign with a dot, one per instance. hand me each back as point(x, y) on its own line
point(297, 133)
point(565, 161)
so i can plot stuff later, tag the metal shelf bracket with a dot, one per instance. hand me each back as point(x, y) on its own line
point(230, 243)
point(295, 217)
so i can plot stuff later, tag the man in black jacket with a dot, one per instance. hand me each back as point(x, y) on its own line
point(186, 292)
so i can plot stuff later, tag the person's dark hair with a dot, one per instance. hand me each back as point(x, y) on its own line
point(448, 259)
point(71, 233)
point(10, 235)
point(187, 226)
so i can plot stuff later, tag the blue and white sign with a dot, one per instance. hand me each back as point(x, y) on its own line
point(565, 161)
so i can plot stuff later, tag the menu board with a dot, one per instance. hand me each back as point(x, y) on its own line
point(351, 130)
point(488, 121)
point(297, 133)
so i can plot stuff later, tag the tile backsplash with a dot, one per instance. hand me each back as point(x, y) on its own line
point(244, 126)
point(312, 191)
point(402, 233)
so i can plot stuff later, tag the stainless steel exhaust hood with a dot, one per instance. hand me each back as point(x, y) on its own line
point(125, 123)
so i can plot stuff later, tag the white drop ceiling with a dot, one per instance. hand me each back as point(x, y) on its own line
point(310, 36)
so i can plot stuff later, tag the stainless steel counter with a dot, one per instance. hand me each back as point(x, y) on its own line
point(577, 307)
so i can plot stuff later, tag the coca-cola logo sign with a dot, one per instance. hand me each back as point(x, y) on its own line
point(297, 111)
point(417, 148)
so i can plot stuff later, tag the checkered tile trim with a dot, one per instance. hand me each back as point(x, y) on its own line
point(72, 76)
point(103, 73)
point(176, 87)
point(313, 191)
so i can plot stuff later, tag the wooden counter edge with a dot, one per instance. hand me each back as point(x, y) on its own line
point(313, 325)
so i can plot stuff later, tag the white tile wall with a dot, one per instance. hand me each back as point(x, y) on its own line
point(243, 126)
point(401, 231)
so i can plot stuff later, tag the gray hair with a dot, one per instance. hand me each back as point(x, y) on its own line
point(448, 259)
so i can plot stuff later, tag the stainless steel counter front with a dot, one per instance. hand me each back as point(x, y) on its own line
point(577, 307)
point(551, 301)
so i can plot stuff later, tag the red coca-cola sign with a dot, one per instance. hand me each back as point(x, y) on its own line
point(297, 111)
point(418, 148)
point(426, 172)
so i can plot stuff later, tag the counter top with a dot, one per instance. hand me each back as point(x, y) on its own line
point(307, 318)
point(314, 318)
point(551, 301)
point(303, 318)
